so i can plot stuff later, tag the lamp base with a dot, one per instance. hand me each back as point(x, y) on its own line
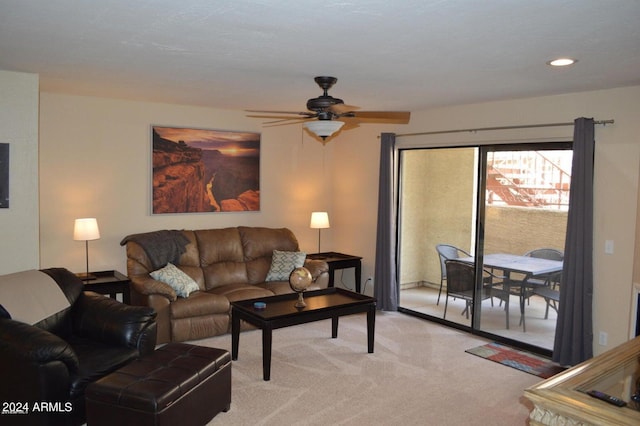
point(84, 276)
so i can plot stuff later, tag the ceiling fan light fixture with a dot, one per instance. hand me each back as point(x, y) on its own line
point(324, 128)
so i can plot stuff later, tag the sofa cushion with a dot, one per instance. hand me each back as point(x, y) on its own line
point(283, 262)
point(219, 245)
point(235, 292)
point(182, 283)
point(283, 287)
point(96, 360)
point(199, 303)
point(191, 256)
point(260, 242)
point(258, 245)
point(221, 257)
point(276, 287)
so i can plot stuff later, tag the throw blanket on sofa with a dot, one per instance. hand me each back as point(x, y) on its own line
point(31, 296)
point(161, 246)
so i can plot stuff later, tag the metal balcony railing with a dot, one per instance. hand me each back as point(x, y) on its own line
point(529, 178)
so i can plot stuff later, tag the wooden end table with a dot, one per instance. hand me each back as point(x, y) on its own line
point(281, 312)
point(111, 283)
point(340, 261)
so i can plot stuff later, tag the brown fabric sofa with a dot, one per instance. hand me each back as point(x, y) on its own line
point(227, 264)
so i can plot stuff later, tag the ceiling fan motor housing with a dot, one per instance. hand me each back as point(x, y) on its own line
point(321, 104)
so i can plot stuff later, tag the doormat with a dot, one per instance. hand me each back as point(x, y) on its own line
point(521, 360)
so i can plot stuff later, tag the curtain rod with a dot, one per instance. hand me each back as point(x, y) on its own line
point(524, 126)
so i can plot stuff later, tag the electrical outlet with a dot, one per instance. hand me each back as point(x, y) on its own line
point(608, 247)
point(602, 338)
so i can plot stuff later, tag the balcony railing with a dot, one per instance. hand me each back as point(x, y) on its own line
point(529, 178)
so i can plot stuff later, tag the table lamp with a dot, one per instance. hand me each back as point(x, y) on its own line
point(319, 220)
point(86, 229)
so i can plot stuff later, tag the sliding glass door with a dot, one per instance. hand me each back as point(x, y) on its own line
point(502, 211)
point(438, 211)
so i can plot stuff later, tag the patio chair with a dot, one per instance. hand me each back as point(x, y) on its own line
point(446, 252)
point(461, 284)
point(546, 286)
point(546, 253)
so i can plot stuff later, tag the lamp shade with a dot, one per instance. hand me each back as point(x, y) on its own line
point(319, 220)
point(323, 128)
point(86, 229)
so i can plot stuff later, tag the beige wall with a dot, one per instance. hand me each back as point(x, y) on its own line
point(94, 156)
point(19, 128)
point(521, 229)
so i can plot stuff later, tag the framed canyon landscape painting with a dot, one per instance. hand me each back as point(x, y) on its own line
point(202, 171)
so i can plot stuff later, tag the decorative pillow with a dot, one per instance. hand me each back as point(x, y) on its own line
point(283, 262)
point(182, 283)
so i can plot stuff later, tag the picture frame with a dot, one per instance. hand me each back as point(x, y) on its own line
point(204, 171)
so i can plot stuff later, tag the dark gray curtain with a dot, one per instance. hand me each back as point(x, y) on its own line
point(574, 330)
point(385, 288)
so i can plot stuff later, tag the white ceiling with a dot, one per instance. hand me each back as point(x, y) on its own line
point(263, 54)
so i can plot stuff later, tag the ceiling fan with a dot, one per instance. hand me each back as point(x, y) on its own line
point(326, 114)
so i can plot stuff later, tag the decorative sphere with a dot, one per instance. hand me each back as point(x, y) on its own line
point(300, 279)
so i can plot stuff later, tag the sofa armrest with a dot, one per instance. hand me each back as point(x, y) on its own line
point(35, 365)
point(104, 319)
point(33, 345)
point(319, 271)
point(316, 267)
point(147, 286)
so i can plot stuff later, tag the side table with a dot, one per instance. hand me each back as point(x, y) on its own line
point(340, 261)
point(111, 283)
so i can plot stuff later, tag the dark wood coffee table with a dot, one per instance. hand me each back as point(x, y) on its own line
point(281, 312)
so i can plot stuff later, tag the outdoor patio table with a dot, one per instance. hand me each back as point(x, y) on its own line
point(513, 263)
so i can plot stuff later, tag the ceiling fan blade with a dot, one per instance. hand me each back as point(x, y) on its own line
point(342, 108)
point(307, 113)
point(288, 120)
point(283, 117)
point(396, 117)
point(350, 124)
point(291, 121)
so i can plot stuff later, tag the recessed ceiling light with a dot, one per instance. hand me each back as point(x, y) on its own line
point(562, 62)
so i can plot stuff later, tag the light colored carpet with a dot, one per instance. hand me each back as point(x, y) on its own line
point(419, 374)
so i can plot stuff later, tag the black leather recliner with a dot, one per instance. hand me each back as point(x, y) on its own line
point(46, 367)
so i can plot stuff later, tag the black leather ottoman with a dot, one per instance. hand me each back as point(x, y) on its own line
point(179, 384)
